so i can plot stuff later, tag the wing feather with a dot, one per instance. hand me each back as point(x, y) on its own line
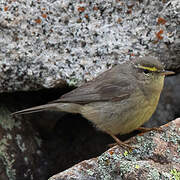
point(113, 85)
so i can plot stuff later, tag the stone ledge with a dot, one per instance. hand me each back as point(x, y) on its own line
point(157, 156)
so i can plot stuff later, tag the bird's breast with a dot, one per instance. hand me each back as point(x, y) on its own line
point(121, 117)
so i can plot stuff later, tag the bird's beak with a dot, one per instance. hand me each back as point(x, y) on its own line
point(166, 73)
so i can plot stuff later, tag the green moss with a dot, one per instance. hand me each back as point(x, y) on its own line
point(73, 82)
point(137, 166)
point(175, 174)
point(125, 153)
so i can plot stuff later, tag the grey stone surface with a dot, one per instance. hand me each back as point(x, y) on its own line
point(45, 42)
point(156, 156)
point(20, 155)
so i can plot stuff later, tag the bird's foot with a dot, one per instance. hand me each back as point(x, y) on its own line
point(144, 129)
point(120, 143)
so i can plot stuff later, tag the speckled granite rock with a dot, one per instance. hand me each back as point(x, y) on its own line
point(157, 156)
point(45, 42)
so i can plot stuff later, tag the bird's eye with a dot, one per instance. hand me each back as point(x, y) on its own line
point(146, 71)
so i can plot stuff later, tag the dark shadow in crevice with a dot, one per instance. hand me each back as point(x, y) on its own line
point(73, 140)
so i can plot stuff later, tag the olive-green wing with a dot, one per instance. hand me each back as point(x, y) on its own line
point(106, 87)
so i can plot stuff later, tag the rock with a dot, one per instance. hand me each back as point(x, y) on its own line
point(61, 41)
point(20, 155)
point(156, 156)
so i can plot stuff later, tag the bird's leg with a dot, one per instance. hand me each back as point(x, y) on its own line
point(144, 129)
point(120, 143)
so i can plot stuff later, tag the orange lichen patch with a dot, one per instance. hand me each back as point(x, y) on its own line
point(95, 8)
point(86, 16)
point(43, 9)
point(38, 20)
point(44, 15)
point(15, 38)
point(5, 8)
point(81, 9)
point(111, 152)
point(166, 125)
point(158, 34)
point(161, 20)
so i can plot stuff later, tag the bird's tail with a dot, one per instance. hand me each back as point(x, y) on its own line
point(36, 109)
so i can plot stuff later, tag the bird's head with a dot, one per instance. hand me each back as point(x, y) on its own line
point(150, 72)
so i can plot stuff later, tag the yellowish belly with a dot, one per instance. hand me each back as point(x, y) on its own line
point(120, 117)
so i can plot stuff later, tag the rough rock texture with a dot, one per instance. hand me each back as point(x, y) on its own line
point(19, 149)
point(45, 42)
point(156, 156)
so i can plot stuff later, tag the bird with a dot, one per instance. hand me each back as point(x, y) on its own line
point(119, 100)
